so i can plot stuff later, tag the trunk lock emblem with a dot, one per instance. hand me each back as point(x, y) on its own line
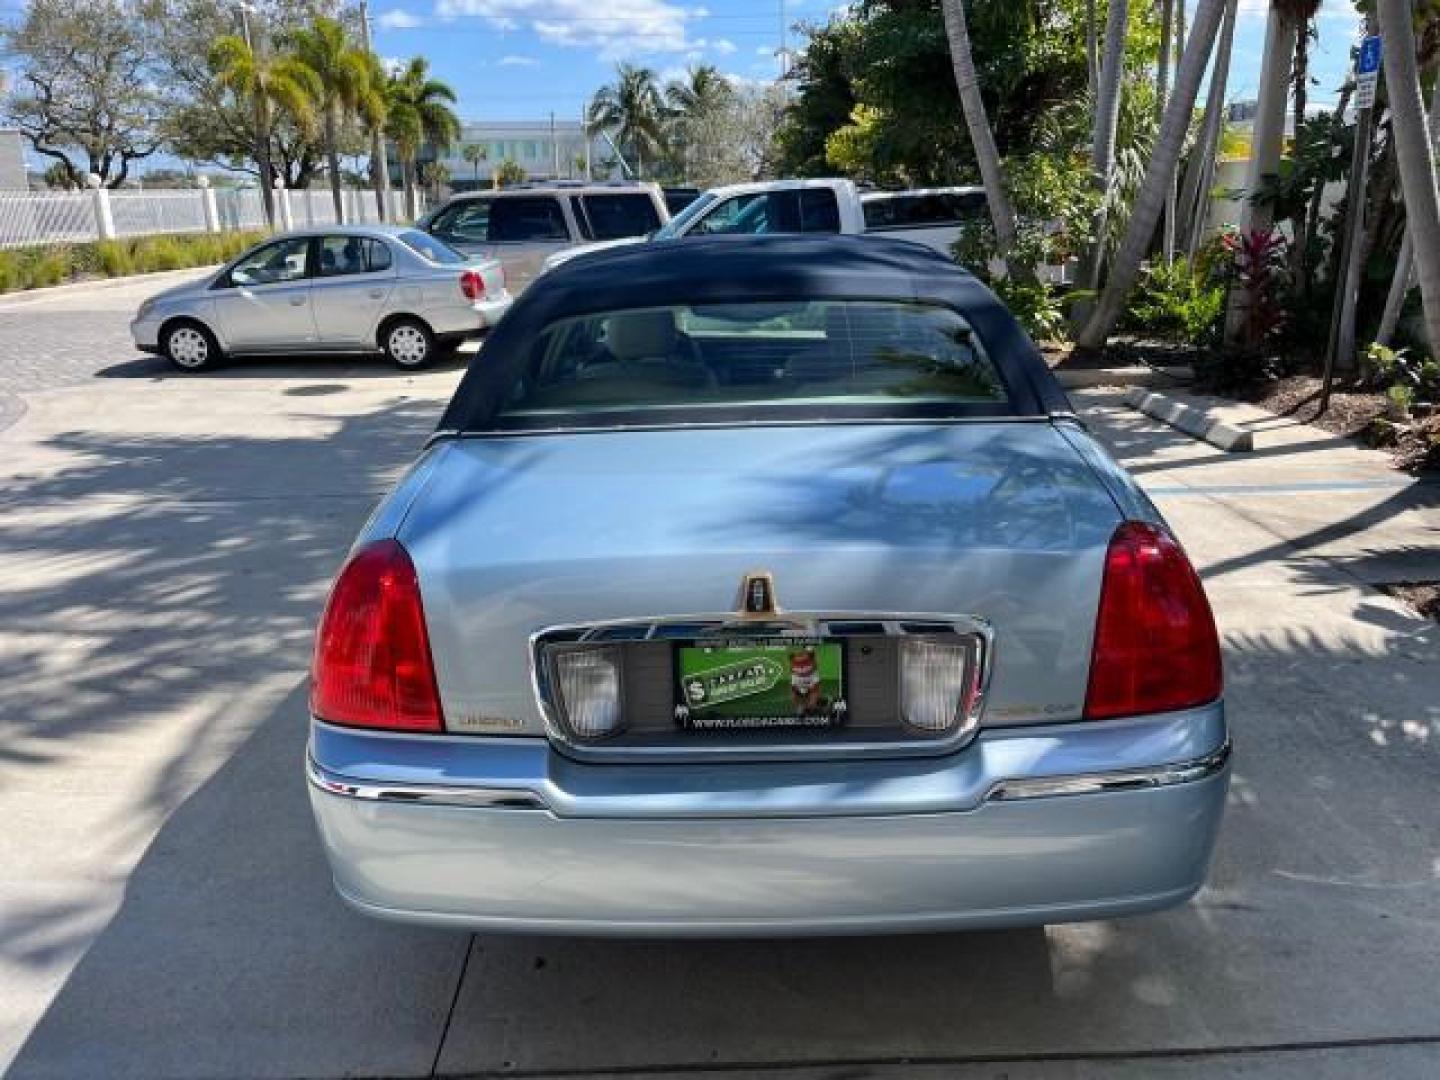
point(757, 595)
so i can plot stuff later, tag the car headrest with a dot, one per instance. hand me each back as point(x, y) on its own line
point(640, 335)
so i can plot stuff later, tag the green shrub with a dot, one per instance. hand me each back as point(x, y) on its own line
point(115, 257)
point(1176, 303)
point(32, 268)
point(1036, 308)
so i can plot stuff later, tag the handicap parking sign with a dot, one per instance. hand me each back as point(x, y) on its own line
point(1368, 61)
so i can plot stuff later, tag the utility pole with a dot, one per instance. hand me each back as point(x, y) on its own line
point(585, 132)
point(379, 158)
point(1341, 346)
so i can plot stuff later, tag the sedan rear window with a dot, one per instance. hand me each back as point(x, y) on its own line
point(730, 356)
point(430, 248)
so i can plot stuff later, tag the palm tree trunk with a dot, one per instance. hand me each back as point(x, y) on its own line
point(380, 168)
point(982, 140)
point(1267, 144)
point(1194, 211)
point(1102, 137)
point(1414, 154)
point(1159, 174)
point(262, 156)
point(332, 154)
point(1405, 265)
point(1092, 53)
point(1300, 237)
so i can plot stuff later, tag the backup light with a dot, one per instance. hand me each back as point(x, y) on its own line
point(589, 684)
point(934, 685)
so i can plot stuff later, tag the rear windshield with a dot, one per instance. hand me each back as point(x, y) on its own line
point(613, 217)
point(430, 248)
point(919, 211)
point(731, 357)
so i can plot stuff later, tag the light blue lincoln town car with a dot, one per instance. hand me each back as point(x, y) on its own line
point(765, 586)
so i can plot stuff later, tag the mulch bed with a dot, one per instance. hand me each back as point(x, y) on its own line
point(1423, 596)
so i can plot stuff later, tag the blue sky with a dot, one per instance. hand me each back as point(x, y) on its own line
point(520, 59)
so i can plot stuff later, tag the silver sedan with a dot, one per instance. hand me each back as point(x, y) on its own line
point(360, 288)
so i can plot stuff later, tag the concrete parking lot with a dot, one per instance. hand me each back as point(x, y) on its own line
point(165, 542)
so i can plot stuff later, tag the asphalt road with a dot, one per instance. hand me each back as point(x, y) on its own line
point(164, 909)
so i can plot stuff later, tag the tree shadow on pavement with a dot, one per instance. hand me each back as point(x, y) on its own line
point(166, 588)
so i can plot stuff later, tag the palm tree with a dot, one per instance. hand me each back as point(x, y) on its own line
point(375, 117)
point(691, 104)
point(1414, 155)
point(475, 153)
point(1102, 137)
point(1159, 175)
point(633, 109)
point(418, 112)
point(271, 83)
point(982, 139)
point(1194, 194)
point(344, 75)
point(1405, 264)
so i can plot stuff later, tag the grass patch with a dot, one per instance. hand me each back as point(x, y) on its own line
point(55, 264)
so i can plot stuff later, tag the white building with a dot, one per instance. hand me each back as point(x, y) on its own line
point(545, 149)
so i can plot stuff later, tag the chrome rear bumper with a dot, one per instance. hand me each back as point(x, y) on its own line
point(1045, 824)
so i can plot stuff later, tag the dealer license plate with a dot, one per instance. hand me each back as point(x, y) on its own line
point(757, 683)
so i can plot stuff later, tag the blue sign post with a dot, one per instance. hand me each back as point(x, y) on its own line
point(1367, 71)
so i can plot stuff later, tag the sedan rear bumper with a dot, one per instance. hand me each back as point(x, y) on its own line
point(1027, 844)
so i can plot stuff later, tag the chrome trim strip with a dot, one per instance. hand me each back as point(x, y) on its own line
point(717, 425)
point(1044, 787)
point(978, 630)
point(433, 795)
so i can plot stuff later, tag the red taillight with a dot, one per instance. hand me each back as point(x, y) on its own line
point(372, 655)
point(472, 285)
point(1155, 645)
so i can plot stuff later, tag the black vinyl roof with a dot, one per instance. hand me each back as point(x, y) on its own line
point(737, 269)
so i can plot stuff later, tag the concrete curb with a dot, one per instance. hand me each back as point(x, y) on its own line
point(1191, 421)
point(1139, 375)
point(160, 278)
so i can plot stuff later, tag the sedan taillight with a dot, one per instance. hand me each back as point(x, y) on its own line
point(1155, 644)
point(372, 665)
point(472, 284)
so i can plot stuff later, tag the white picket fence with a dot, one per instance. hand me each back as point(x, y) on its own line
point(29, 218)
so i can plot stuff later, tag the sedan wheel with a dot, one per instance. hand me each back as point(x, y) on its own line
point(409, 344)
point(190, 347)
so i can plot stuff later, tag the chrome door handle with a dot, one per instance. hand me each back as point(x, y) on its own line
point(376, 294)
point(297, 301)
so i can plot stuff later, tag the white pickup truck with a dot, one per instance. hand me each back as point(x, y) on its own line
point(930, 216)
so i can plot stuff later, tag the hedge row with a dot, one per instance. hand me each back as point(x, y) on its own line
point(55, 264)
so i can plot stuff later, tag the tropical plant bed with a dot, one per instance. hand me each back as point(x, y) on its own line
point(1121, 352)
point(1355, 413)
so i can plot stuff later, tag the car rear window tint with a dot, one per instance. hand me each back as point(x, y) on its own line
point(613, 217)
point(729, 355)
point(920, 211)
point(524, 218)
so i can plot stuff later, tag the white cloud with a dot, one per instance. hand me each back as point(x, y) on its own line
point(764, 50)
point(396, 19)
point(517, 61)
point(620, 29)
point(723, 46)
